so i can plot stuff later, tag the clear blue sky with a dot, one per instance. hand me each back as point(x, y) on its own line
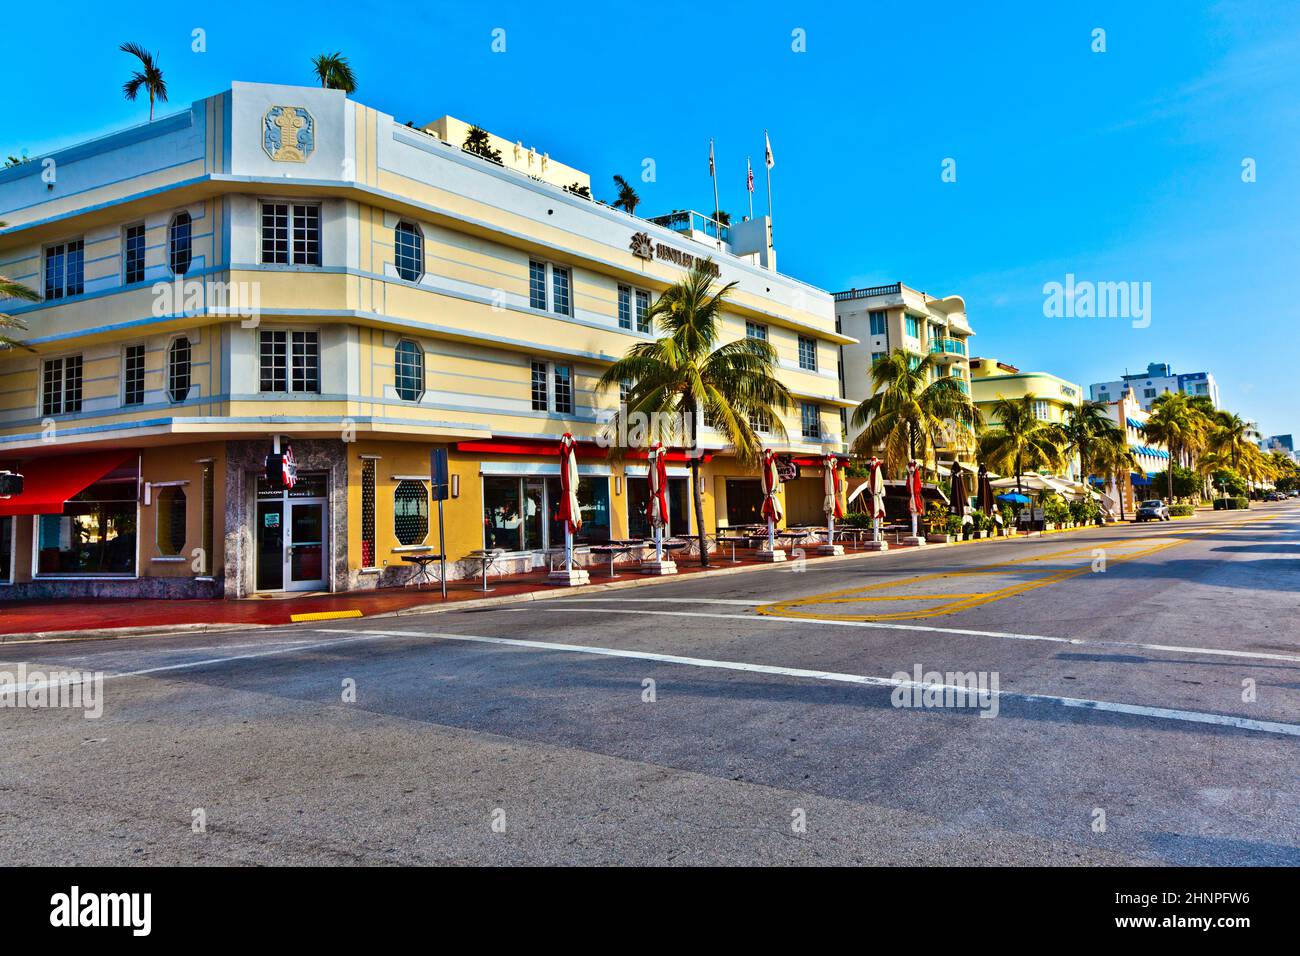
point(1115, 166)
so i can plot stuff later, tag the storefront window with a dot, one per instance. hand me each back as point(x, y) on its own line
point(6, 549)
point(170, 508)
point(593, 502)
point(411, 512)
point(679, 507)
point(95, 534)
point(502, 524)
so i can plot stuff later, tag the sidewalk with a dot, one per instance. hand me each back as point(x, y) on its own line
point(27, 620)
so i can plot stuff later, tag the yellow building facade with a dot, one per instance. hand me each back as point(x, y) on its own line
point(284, 268)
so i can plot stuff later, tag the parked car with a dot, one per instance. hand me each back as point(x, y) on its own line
point(1153, 510)
point(1275, 496)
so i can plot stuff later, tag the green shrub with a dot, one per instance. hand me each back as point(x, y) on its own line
point(936, 517)
point(1084, 512)
point(1181, 511)
point(952, 526)
point(1055, 509)
point(1008, 516)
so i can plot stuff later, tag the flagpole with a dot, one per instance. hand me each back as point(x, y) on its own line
point(749, 183)
point(767, 165)
point(713, 168)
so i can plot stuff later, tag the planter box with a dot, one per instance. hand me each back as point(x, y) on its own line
point(981, 534)
point(937, 538)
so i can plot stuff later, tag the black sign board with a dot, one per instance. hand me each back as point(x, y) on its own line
point(439, 474)
point(10, 484)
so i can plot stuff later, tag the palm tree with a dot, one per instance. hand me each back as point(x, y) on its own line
point(906, 411)
point(686, 374)
point(334, 72)
point(479, 142)
point(9, 289)
point(1177, 425)
point(627, 199)
point(1021, 439)
point(1228, 436)
point(1115, 461)
point(149, 77)
point(1089, 423)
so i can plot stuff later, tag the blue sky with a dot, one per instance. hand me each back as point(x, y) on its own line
point(1117, 166)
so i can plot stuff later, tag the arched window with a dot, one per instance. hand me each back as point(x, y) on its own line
point(408, 360)
point(178, 370)
point(409, 255)
point(410, 512)
point(170, 508)
point(179, 243)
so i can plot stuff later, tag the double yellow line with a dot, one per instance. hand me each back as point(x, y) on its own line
point(964, 601)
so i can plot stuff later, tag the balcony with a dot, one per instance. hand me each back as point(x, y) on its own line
point(868, 293)
point(948, 350)
point(694, 224)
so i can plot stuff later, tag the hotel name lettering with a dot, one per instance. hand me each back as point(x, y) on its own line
point(644, 247)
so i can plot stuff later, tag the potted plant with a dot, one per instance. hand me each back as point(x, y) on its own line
point(936, 523)
point(1008, 520)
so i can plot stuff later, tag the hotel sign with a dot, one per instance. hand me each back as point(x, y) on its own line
point(643, 247)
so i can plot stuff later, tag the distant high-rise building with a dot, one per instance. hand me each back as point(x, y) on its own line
point(1158, 379)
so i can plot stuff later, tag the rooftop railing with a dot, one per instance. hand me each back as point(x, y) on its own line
point(688, 220)
point(870, 292)
point(949, 346)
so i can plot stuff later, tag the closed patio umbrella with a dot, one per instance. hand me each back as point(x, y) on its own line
point(771, 503)
point(833, 503)
point(984, 493)
point(656, 510)
point(569, 511)
point(960, 503)
point(915, 503)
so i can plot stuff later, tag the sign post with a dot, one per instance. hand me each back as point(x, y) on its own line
point(440, 485)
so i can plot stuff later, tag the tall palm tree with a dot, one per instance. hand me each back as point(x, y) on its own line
point(1088, 423)
point(334, 72)
point(1228, 436)
point(685, 374)
point(627, 199)
point(1114, 460)
point(907, 412)
point(1021, 440)
point(9, 289)
point(148, 78)
point(1177, 425)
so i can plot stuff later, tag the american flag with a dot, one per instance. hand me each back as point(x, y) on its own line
point(749, 175)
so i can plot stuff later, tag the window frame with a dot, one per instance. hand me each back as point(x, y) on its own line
point(552, 386)
point(62, 361)
point(428, 521)
point(174, 488)
point(548, 292)
point(126, 372)
point(416, 255)
point(417, 370)
point(289, 344)
point(804, 408)
point(143, 235)
point(883, 316)
point(173, 247)
point(807, 347)
point(172, 373)
point(290, 240)
point(757, 330)
point(63, 290)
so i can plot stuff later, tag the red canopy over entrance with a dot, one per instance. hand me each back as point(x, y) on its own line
point(583, 449)
point(49, 482)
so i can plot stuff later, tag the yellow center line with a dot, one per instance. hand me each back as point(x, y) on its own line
point(1042, 577)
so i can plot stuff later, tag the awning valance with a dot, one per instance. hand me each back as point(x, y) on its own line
point(49, 482)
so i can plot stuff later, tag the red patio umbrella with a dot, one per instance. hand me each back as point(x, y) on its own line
point(568, 511)
point(771, 503)
point(656, 509)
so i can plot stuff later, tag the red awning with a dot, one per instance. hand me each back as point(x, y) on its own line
point(531, 447)
point(49, 482)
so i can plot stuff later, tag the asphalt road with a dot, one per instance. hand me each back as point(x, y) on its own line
point(1147, 711)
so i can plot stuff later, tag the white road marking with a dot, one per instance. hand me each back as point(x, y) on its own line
point(966, 632)
point(564, 602)
point(1136, 710)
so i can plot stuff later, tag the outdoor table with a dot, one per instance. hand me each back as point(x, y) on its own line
point(616, 548)
point(423, 574)
point(670, 545)
point(733, 540)
point(553, 553)
point(488, 558)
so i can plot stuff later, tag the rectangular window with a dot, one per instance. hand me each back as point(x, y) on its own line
point(95, 532)
point(760, 421)
point(61, 385)
point(561, 298)
point(541, 396)
point(133, 375)
point(811, 420)
point(290, 361)
point(368, 513)
point(679, 506)
point(1041, 411)
point(208, 518)
point(133, 254)
point(807, 353)
point(537, 284)
point(875, 356)
point(756, 330)
point(6, 549)
point(913, 325)
point(65, 269)
point(642, 310)
point(625, 307)
point(564, 389)
point(291, 234)
point(878, 320)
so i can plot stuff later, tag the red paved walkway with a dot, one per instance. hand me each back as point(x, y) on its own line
point(28, 617)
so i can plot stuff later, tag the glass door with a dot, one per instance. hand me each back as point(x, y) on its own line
point(305, 551)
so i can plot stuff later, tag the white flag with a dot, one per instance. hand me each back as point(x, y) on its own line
point(767, 151)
